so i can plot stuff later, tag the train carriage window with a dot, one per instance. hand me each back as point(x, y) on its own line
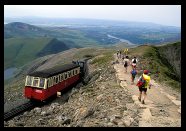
point(69, 74)
point(72, 72)
point(57, 79)
point(36, 82)
point(76, 72)
point(61, 77)
point(42, 82)
point(29, 80)
point(50, 83)
point(54, 80)
point(65, 75)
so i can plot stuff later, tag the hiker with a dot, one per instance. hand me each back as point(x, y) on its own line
point(134, 62)
point(143, 83)
point(126, 62)
point(123, 57)
point(126, 51)
point(118, 54)
point(133, 75)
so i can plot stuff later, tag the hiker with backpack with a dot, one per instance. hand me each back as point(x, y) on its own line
point(126, 51)
point(134, 62)
point(133, 75)
point(143, 83)
point(126, 62)
point(118, 54)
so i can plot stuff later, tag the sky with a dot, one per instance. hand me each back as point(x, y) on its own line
point(160, 14)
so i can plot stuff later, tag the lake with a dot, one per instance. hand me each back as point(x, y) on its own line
point(121, 39)
point(9, 73)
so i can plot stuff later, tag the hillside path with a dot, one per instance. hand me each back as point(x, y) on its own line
point(160, 108)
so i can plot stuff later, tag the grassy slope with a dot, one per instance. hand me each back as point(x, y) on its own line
point(18, 51)
point(153, 59)
point(78, 37)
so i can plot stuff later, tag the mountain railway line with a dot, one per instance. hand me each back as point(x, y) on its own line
point(18, 110)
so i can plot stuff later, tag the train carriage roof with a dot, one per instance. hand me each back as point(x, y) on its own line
point(53, 71)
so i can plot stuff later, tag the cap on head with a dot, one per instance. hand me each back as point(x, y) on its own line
point(145, 71)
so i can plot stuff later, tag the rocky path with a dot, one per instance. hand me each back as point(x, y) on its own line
point(162, 106)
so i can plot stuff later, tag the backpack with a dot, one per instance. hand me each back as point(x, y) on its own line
point(141, 82)
point(134, 61)
point(134, 72)
point(125, 64)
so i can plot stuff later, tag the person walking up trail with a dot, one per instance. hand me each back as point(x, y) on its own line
point(143, 83)
point(126, 51)
point(126, 62)
point(133, 75)
point(118, 54)
point(162, 106)
point(134, 62)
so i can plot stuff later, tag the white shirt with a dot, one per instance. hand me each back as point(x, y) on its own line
point(133, 60)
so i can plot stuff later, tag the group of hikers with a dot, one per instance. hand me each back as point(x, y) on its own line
point(143, 81)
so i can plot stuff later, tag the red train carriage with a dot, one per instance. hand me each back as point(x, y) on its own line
point(40, 85)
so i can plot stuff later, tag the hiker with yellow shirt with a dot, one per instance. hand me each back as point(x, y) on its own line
point(126, 51)
point(143, 84)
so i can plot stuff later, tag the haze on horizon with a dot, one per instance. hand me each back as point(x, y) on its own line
point(169, 15)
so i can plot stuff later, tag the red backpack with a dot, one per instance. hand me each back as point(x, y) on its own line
point(141, 82)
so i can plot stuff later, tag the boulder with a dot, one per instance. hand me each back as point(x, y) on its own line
point(37, 110)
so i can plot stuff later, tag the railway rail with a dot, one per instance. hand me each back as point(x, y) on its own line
point(18, 110)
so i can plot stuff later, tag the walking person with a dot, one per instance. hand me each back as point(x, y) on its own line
point(134, 62)
point(118, 54)
point(126, 51)
point(126, 62)
point(143, 84)
point(133, 75)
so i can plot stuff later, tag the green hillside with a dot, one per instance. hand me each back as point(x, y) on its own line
point(165, 59)
point(72, 37)
point(18, 51)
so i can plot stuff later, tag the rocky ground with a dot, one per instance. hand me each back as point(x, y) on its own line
point(108, 100)
point(162, 107)
point(100, 103)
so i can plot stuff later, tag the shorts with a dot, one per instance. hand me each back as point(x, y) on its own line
point(133, 76)
point(133, 65)
point(143, 89)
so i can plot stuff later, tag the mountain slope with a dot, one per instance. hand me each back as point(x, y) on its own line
point(72, 37)
point(19, 51)
point(165, 59)
point(18, 29)
point(103, 102)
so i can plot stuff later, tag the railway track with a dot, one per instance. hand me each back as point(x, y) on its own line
point(18, 110)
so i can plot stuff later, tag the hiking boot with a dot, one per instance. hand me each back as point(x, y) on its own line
point(143, 102)
point(139, 99)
